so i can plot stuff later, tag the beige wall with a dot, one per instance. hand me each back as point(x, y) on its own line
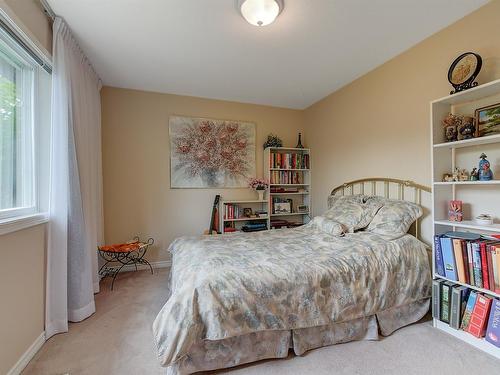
point(22, 284)
point(379, 124)
point(22, 290)
point(136, 162)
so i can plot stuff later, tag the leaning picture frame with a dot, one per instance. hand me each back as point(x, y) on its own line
point(488, 120)
point(282, 208)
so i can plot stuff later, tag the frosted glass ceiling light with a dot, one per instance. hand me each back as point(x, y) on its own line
point(261, 12)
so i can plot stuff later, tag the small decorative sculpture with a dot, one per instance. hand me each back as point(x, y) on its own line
point(450, 124)
point(456, 173)
point(474, 174)
point(455, 212)
point(299, 142)
point(467, 128)
point(485, 173)
point(463, 175)
point(447, 177)
point(273, 141)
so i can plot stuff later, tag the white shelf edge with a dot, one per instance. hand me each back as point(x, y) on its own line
point(469, 225)
point(289, 149)
point(289, 169)
point(480, 344)
point(297, 193)
point(291, 214)
point(244, 201)
point(289, 184)
point(470, 142)
point(481, 290)
point(470, 94)
point(247, 218)
point(477, 183)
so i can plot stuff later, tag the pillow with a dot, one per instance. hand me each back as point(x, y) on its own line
point(329, 226)
point(352, 213)
point(335, 199)
point(394, 218)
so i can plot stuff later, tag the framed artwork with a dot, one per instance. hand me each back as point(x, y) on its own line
point(488, 120)
point(464, 70)
point(282, 208)
point(207, 153)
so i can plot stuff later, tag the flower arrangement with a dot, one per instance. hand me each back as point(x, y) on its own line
point(273, 141)
point(258, 184)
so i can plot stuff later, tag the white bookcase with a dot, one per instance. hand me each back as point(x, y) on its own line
point(477, 196)
point(299, 193)
point(238, 219)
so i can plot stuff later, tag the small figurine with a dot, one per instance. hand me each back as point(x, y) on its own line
point(485, 173)
point(474, 174)
point(456, 173)
point(463, 175)
point(455, 212)
point(450, 124)
point(467, 129)
point(299, 142)
point(447, 177)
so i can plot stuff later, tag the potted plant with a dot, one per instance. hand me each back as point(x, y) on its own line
point(259, 185)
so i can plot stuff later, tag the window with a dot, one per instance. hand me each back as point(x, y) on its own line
point(24, 131)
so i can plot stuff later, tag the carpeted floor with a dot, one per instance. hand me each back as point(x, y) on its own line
point(118, 340)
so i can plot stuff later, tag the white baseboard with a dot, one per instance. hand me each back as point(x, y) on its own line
point(28, 355)
point(160, 264)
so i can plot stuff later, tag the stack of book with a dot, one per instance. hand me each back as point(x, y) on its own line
point(467, 310)
point(232, 211)
point(254, 227)
point(285, 177)
point(289, 161)
point(476, 263)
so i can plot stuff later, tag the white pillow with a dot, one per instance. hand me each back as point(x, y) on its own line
point(352, 213)
point(329, 226)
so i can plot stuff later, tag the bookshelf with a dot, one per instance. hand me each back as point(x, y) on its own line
point(478, 196)
point(289, 172)
point(232, 214)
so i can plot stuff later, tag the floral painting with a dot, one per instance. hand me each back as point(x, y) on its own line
point(207, 153)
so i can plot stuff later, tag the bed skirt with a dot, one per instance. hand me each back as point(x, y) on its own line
point(218, 354)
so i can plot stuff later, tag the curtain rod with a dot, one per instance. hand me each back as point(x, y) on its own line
point(48, 10)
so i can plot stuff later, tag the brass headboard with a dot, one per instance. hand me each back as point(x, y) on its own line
point(388, 186)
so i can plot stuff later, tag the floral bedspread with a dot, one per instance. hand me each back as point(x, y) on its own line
point(226, 286)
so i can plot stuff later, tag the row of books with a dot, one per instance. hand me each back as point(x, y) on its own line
point(286, 177)
point(467, 310)
point(475, 262)
point(289, 161)
point(232, 211)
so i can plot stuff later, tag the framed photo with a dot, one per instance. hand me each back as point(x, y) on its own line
point(488, 120)
point(247, 212)
point(302, 208)
point(282, 208)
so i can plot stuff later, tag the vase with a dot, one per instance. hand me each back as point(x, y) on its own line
point(261, 194)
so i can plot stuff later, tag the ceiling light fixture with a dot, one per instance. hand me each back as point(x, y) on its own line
point(261, 12)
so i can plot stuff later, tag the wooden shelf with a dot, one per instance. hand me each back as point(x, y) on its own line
point(481, 344)
point(481, 290)
point(477, 183)
point(291, 214)
point(470, 142)
point(247, 218)
point(469, 224)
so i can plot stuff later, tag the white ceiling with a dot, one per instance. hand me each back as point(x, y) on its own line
point(205, 48)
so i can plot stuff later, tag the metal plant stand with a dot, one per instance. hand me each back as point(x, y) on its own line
point(125, 254)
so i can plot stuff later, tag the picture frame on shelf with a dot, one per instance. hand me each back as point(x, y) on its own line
point(488, 120)
point(302, 208)
point(282, 208)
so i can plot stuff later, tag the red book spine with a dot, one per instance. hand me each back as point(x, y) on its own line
point(479, 317)
point(484, 265)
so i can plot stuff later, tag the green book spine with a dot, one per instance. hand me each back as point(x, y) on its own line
point(445, 302)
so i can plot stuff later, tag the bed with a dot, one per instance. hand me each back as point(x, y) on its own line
point(245, 297)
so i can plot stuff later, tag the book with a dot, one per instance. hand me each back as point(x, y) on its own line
point(479, 317)
point(459, 296)
point(495, 260)
point(455, 212)
point(493, 328)
point(444, 308)
point(484, 265)
point(450, 268)
point(471, 264)
point(476, 259)
point(459, 260)
point(491, 271)
point(465, 261)
point(438, 255)
point(436, 298)
point(471, 301)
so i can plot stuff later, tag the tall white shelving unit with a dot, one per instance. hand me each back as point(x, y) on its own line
point(478, 197)
point(303, 194)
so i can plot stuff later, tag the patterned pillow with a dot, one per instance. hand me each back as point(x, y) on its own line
point(329, 226)
point(352, 213)
point(394, 218)
point(335, 199)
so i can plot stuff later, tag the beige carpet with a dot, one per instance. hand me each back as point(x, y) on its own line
point(117, 340)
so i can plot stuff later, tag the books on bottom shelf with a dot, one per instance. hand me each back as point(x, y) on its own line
point(465, 309)
point(472, 262)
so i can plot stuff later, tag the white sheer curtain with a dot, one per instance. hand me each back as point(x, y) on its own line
point(76, 216)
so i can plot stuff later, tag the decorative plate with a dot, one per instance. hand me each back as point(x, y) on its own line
point(464, 70)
